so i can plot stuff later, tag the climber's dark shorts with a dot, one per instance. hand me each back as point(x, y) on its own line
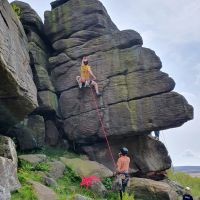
point(89, 82)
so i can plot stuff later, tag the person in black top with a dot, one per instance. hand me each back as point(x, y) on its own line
point(187, 195)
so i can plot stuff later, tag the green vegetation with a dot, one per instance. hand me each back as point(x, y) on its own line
point(52, 153)
point(26, 173)
point(108, 183)
point(24, 193)
point(115, 196)
point(186, 180)
point(16, 9)
point(68, 185)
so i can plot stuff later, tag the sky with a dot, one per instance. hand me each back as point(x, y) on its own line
point(172, 29)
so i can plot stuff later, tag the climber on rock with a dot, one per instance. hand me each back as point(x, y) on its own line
point(123, 168)
point(84, 80)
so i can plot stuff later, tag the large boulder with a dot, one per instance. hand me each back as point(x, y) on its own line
point(85, 168)
point(18, 94)
point(30, 133)
point(7, 149)
point(91, 13)
point(52, 135)
point(4, 194)
point(56, 169)
point(29, 17)
point(47, 101)
point(39, 50)
point(147, 189)
point(42, 192)
point(137, 97)
point(134, 117)
point(34, 159)
point(8, 171)
point(147, 154)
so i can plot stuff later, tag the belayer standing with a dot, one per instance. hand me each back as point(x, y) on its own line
point(85, 79)
point(123, 163)
point(187, 195)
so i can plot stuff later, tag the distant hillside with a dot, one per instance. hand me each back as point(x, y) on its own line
point(187, 169)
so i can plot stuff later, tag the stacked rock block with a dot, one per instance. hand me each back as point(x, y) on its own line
point(137, 96)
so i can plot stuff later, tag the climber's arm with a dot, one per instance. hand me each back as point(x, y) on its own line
point(91, 73)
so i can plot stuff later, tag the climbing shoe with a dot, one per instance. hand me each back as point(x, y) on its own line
point(98, 94)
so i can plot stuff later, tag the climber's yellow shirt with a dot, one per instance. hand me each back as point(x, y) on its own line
point(85, 71)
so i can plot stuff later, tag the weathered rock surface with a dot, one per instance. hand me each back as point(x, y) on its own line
point(30, 133)
point(80, 197)
point(147, 154)
point(137, 97)
point(43, 192)
point(4, 194)
point(34, 159)
point(8, 174)
point(47, 101)
point(18, 95)
point(91, 12)
point(29, 17)
point(56, 169)
point(49, 182)
point(7, 149)
point(147, 189)
point(85, 168)
point(99, 188)
point(52, 135)
point(39, 50)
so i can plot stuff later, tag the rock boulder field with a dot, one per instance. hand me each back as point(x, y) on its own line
point(41, 103)
point(137, 97)
point(39, 63)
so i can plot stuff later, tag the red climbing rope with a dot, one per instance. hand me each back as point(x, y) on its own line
point(103, 128)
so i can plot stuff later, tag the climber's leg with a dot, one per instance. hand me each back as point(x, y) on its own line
point(78, 79)
point(121, 194)
point(93, 83)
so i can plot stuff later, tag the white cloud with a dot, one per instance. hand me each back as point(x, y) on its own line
point(188, 153)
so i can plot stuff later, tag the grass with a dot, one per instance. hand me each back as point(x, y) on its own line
point(68, 185)
point(25, 193)
point(186, 180)
point(25, 174)
point(52, 152)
